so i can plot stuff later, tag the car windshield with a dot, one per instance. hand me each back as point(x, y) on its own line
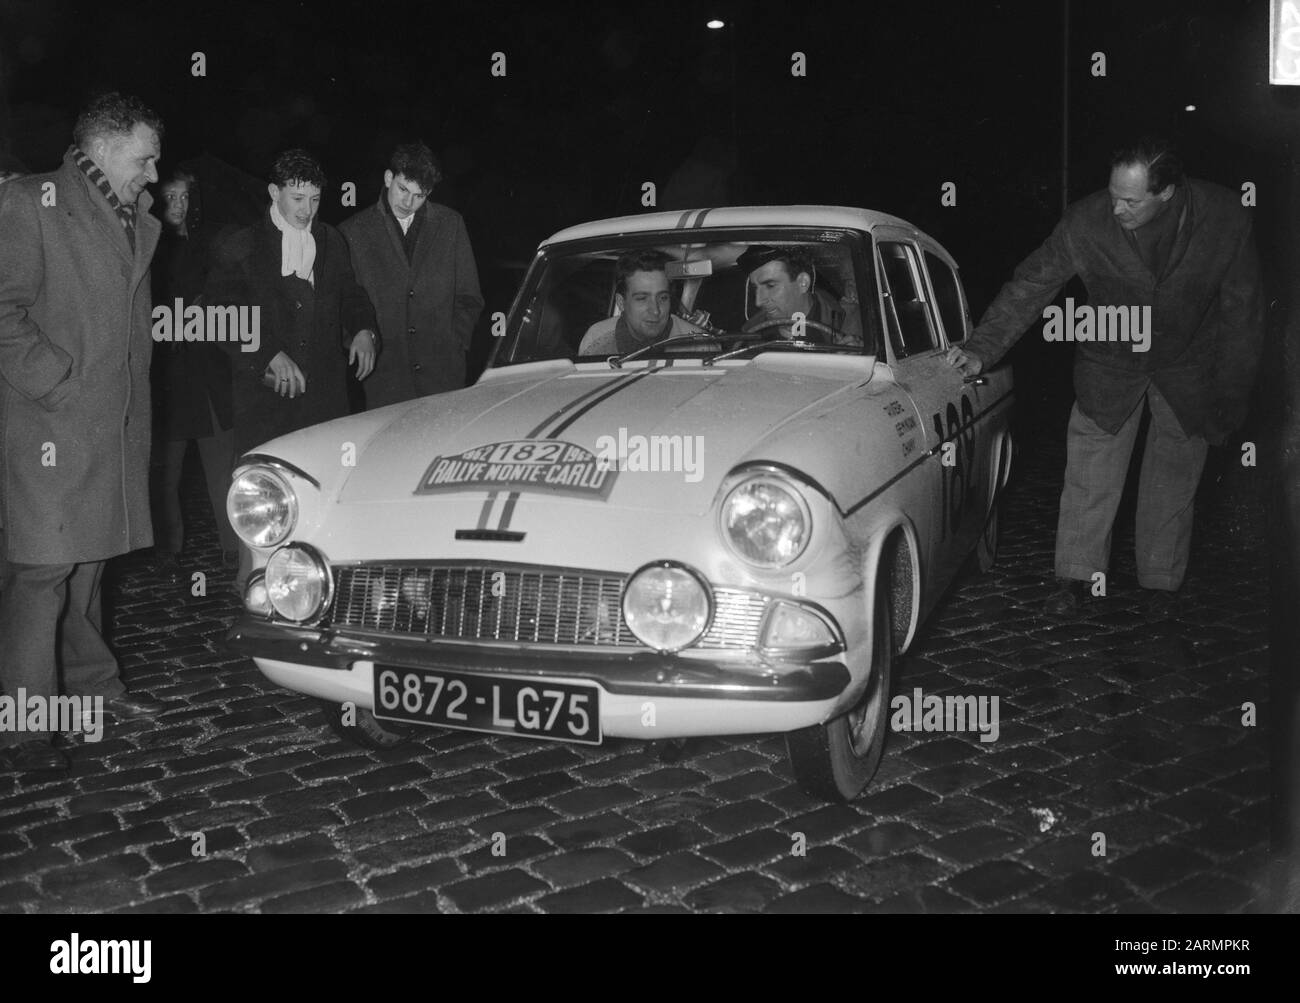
point(741, 292)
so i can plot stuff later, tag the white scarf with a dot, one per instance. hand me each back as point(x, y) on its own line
point(297, 248)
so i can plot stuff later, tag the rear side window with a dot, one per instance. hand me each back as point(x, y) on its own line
point(947, 295)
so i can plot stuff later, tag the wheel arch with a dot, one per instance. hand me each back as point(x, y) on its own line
point(893, 559)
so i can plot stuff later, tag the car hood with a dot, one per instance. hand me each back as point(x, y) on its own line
point(697, 422)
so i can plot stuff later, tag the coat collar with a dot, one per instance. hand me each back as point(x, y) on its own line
point(430, 224)
point(106, 220)
point(1182, 238)
point(393, 232)
point(1186, 224)
point(72, 183)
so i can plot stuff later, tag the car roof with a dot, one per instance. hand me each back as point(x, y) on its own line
point(733, 216)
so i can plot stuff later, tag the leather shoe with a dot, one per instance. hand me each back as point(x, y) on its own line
point(1067, 597)
point(129, 707)
point(36, 757)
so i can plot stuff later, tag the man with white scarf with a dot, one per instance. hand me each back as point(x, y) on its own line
point(297, 273)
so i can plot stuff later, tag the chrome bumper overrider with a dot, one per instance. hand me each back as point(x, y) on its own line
point(642, 673)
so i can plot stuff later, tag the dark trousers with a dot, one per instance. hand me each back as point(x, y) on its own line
point(217, 454)
point(51, 638)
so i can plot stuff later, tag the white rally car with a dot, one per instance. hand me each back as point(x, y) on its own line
point(730, 530)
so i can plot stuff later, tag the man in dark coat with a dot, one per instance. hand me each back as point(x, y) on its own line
point(74, 408)
point(1171, 264)
point(296, 271)
point(414, 260)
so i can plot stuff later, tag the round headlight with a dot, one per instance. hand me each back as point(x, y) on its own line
point(298, 583)
point(262, 507)
point(667, 606)
point(766, 522)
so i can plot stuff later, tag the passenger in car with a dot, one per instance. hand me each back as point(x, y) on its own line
point(784, 284)
point(644, 307)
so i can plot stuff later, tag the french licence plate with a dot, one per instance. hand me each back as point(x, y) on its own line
point(503, 705)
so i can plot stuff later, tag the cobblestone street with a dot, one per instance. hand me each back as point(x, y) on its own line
point(1123, 778)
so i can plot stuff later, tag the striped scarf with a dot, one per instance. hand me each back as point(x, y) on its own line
point(125, 213)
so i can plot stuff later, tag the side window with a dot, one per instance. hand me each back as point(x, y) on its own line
point(947, 295)
point(906, 314)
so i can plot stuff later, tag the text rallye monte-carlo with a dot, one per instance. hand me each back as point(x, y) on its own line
point(732, 529)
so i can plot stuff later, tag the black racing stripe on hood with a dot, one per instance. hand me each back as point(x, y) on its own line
point(558, 429)
point(507, 513)
point(486, 511)
point(572, 404)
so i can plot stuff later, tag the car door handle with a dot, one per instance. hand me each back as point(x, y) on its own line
point(976, 381)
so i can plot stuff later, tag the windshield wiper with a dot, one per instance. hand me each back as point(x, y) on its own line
point(616, 361)
point(803, 344)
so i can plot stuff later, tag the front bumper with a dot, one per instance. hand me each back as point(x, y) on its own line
point(691, 696)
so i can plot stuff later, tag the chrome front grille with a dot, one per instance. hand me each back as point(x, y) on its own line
point(486, 602)
point(737, 617)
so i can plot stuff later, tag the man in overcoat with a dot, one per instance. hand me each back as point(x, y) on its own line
point(1175, 320)
point(74, 410)
point(414, 259)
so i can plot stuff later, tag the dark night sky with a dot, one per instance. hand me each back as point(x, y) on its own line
point(598, 99)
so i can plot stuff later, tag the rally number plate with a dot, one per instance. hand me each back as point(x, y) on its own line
point(503, 705)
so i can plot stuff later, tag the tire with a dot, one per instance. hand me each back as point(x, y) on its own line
point(985, 555)
point(835, 761)
point(986, 547)
point(367, 730)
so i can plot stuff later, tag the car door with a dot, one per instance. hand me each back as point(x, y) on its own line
point(988, 430)
point(956, 455)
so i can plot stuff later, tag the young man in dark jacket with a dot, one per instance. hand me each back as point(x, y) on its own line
point(295, 272)
point(1175, 319)
point(414, 260)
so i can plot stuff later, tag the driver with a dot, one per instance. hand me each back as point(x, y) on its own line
point(783, 286)
point(644, 308)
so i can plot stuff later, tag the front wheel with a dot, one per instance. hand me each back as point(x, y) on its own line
point(837, 760)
